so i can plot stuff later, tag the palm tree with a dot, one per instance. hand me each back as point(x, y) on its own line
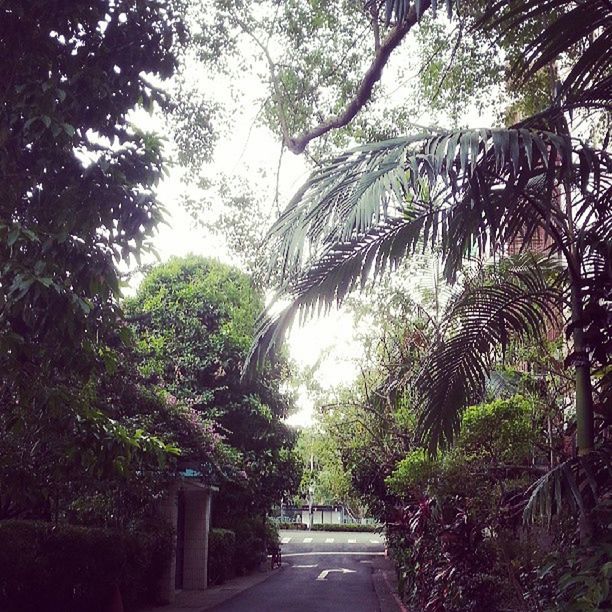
point(469, 192)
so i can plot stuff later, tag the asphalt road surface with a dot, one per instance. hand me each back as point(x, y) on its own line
point(322, 571)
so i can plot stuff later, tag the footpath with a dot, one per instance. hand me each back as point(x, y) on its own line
point(213, 596)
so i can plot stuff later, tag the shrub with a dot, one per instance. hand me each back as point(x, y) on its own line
point(251, 545)
point(292, 526)
point(69, 568)
point(221, 551)
point(500, 430)
point(414, 471)
point(345, 527)
point(254, 535)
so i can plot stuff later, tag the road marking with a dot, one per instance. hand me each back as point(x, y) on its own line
point(365, 561)
point(307, 540)
point(305, 566)
point(329, 540)
point(352, 541)
point(339, 552)
point(285, 540)
point(323, 574)
point(375, 542)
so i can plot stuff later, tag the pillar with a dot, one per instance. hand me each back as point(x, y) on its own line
point(195, 553)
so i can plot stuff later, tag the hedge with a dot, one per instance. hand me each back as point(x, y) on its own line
point(345, 527)
point(221, 551)
point(256, 537)
point(69, 568)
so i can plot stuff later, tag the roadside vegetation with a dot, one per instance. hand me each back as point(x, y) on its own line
point(474, 260)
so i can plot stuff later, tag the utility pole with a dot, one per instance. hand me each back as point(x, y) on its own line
point(311, 491)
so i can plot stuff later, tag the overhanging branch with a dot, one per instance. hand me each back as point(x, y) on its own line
point(297, 144)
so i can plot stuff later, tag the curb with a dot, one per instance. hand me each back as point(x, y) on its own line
point(385, 586)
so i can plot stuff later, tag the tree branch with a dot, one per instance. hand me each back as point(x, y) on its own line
point(297, 144)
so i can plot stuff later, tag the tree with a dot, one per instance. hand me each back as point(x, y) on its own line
point(468, 191)
point(326, 74)
point(194, 319)
point(77, 200)
point(309, 60)
point(323, 470)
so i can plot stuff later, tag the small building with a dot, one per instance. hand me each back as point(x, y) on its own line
point(328, 515)
point(187, 507)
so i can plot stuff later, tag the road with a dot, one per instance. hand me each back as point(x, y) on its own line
point(321, 572)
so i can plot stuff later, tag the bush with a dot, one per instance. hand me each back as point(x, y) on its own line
point(251, 544)
point(414, 471)
point(346, 527)
point(221, 551)
point(293, 526)
point(254, 536)
point(69, 568)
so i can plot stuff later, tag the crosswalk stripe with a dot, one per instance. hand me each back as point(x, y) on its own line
point(352, 541)
point(307, 540)
point(285, 540)
point(374, 541)
point(329, 540)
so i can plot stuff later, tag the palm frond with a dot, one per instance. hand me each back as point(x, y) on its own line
point(470, 191)
point(332, 277)
point(576, 24)
point(477, 176)
point(480, 323)
point(398, 10)
point(575, 485)
point(352, 193)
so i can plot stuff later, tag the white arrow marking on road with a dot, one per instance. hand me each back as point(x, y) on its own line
point(323, 574)
point(307, 540)
point(319, 553)
point(305, 566)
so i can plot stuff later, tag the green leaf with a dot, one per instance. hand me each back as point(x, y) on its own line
point(45, 281)
point(13, 235)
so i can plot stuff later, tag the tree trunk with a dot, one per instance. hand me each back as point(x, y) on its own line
point(585, 431)
point(585, 435)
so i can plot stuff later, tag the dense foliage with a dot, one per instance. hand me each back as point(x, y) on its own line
point(78, 199)
point(86, 435)
point(194, 319)
point(467, 435)
point(471, 527)
point(532, 185)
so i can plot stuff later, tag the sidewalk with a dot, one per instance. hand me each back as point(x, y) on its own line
point(384, 578)
point(204, 600)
